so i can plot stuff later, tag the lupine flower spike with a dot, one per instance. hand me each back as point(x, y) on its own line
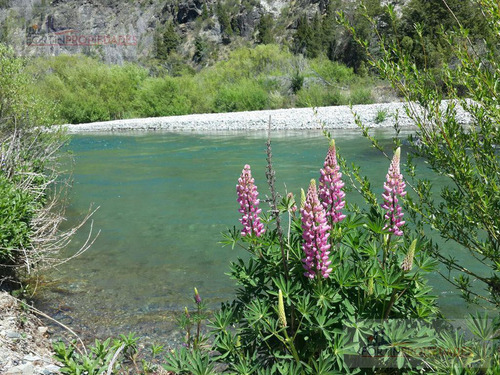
point(315, 234)
point(394, 188)
point(330, 186)
point(249, 204)
point(197, 297)
point(302, 199)
point(408, 261)
point(281, 309)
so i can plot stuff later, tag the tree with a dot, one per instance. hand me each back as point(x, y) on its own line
point(265, 30)
point(464, 156)
point(166, 41)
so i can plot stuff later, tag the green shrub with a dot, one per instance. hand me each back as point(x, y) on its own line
point(20, 102)
point(361, 95)
point(27, 155)
point(283, 318)
point(87, 90)
point(17, 208)
point(381, 116)
point(246, 95)
point(161, 97)
point(332, 71)
point(318, 95)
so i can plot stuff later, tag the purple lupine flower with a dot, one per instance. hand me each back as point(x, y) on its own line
point(315, 234)
point(197, 298)
point(249, 204)
point(394, 188)
point(330, 186)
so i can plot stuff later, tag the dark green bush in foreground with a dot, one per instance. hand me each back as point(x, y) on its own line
point(29, 215)
point(359, 304)
point(17, 207)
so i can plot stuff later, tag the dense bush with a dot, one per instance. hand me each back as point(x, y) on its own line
point(160, 97)
point(316, 94)
point(465, 157)
point(246, 95)
point(18, 207)
point(30, 212)
point(86, 90)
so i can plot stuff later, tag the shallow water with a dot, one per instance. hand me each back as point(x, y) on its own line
point(164, 199)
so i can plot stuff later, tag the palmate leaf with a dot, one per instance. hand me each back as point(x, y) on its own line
point(231, 238)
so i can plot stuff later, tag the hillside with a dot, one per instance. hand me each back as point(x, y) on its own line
point(200, 31)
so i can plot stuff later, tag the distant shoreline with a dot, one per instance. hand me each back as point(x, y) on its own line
point(335, 117)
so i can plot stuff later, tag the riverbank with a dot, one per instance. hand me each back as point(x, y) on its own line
point(337, 117)
point(378, 115)
point(25, 347)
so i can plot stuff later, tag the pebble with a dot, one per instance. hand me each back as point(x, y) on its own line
point(32, 358)
point(24, 369)
point(335, 117)
point(13, 335)
point(50, 369)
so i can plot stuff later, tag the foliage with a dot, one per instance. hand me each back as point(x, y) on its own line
point(29, 215)
point(360, 95)
point(166, 41)
point(324, 321)
point(160, 97)
point(265, 30)
point(86, 90)
point(460, 148)
point(18, 102)
point(381, 116)
point(319, 95)
point(103, 355)
point(18, 207)
point(246, 95)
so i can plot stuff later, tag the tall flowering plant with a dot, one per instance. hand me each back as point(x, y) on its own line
point(394, 189)
point(248, 198)
point(295, 298)
point(315, 232)
point(330, 186)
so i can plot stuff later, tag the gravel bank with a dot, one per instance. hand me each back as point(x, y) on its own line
point(338, 117)
point(25, 348)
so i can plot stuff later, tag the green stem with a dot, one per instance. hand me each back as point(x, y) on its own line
point(291, 347)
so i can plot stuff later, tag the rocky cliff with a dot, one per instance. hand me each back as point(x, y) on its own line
point(128, 30)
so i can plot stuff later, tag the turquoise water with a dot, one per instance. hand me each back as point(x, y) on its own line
point(164, 199)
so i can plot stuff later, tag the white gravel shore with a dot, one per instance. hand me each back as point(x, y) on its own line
point(338, 117)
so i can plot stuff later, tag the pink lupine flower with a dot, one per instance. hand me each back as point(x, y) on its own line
point(394, 188)
point(315, 234)
point(330, 186)
point(249, 204)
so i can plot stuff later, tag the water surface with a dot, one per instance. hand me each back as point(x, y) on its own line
point(164, 199)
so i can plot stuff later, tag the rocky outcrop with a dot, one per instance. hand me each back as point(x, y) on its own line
point(126, 30)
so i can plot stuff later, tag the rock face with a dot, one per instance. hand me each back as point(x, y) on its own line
point(125, 30)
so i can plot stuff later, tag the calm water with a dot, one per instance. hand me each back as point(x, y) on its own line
point(164, 200)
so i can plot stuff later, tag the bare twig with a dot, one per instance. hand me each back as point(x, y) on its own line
point(113, 360)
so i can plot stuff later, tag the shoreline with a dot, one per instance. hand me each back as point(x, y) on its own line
point(334, 117)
